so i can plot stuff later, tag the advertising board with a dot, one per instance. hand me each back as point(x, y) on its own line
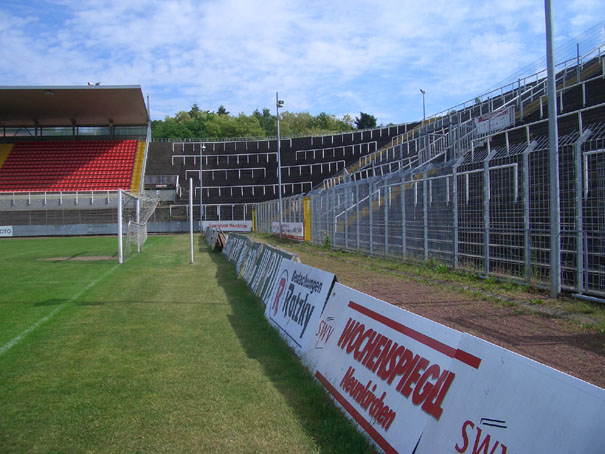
point(297, 300)
point(229, 226)
point(242, 258)
point(6, 230)
point(495, 121)
point(265, 274)
point(512, 404)
point(252, 263)
point(389, 369)
point(294, 230)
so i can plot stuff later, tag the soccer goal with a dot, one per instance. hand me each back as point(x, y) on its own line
point(133, 213)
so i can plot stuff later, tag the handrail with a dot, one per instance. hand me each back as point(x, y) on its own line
point(529, 94)
point(521, 82)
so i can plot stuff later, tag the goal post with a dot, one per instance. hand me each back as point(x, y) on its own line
point(133, 213)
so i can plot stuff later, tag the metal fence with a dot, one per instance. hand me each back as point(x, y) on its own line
point(487, 212)
point(268, 212)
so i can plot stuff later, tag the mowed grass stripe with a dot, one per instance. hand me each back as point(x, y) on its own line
point(31, 287)
point(14, 341)
point(163, 356)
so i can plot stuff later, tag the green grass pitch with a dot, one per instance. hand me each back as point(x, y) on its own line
point(155, 355)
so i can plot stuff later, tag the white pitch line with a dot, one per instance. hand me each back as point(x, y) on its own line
point(14, 341)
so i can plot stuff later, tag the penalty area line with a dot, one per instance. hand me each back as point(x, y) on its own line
point(14, 341)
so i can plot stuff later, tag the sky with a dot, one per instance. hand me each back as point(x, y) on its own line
point(338, 57)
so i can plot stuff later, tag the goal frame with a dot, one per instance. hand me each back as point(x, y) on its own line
point(137, 222)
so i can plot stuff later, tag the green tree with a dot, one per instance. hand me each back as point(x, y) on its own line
point(267, 121)
point(347, 119)
point(198, 123)
point(365, 121)
point(294, 124)
point(194, 110)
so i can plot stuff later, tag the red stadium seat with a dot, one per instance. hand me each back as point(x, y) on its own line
point(69, 166)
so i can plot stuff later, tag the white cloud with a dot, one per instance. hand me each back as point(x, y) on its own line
point(334, 57)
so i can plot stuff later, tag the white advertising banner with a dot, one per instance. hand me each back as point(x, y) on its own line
point(297, 301)
point(294, 230)
point(252, 262)
point(512, 404)
point(229, 226)
point(6, 230)
point(495, 121)
point(242, 258)
point(389, 369)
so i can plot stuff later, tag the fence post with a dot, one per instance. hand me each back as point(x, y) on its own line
point(579, 211)
point(370, 195)
point(486, 214)
point(333, 218)
point(347, 205)
point(403, 226)
point(425, 217)
point(455, 209)
point(357, 212)
point(527, 249)
point(386, 218)
point(553, 161)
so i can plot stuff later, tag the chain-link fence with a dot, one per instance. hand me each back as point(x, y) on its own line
point(268, 212)
point(486, 212)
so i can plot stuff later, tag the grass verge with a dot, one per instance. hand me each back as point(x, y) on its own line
point(584, 315)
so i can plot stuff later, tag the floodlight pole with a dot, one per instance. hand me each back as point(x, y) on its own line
point(423, 105)
point(279, 103)
point(553, 159)
point(202, 148)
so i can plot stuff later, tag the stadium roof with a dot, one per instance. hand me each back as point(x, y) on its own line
point(60, 106)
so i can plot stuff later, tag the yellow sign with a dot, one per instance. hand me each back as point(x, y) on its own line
point(307, 218)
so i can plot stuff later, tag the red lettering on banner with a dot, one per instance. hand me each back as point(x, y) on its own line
point(464, 437)
point(404, 367)
point(389, 360)
point(324, 331)
point(387, 352)
point(368, 336)
point(436, 345)
point(373, 339)
point(347, 332)
point(367, 400)
point(413, 376)
point(481, 446)
point(432, 404)
point(423, 387)
point(369, 361)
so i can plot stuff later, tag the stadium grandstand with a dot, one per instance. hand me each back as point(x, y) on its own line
point(467, 187)
point(65, 152)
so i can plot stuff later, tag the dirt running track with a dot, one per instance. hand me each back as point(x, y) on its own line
point(550, 339)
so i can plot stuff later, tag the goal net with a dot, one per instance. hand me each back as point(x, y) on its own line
point(133, 213)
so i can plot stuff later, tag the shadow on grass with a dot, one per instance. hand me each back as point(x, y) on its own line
point(202, 244)
point(51, 302)
point(315, 411)
point(145, 302)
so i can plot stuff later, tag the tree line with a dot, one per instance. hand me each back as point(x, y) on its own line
point(198, 123)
